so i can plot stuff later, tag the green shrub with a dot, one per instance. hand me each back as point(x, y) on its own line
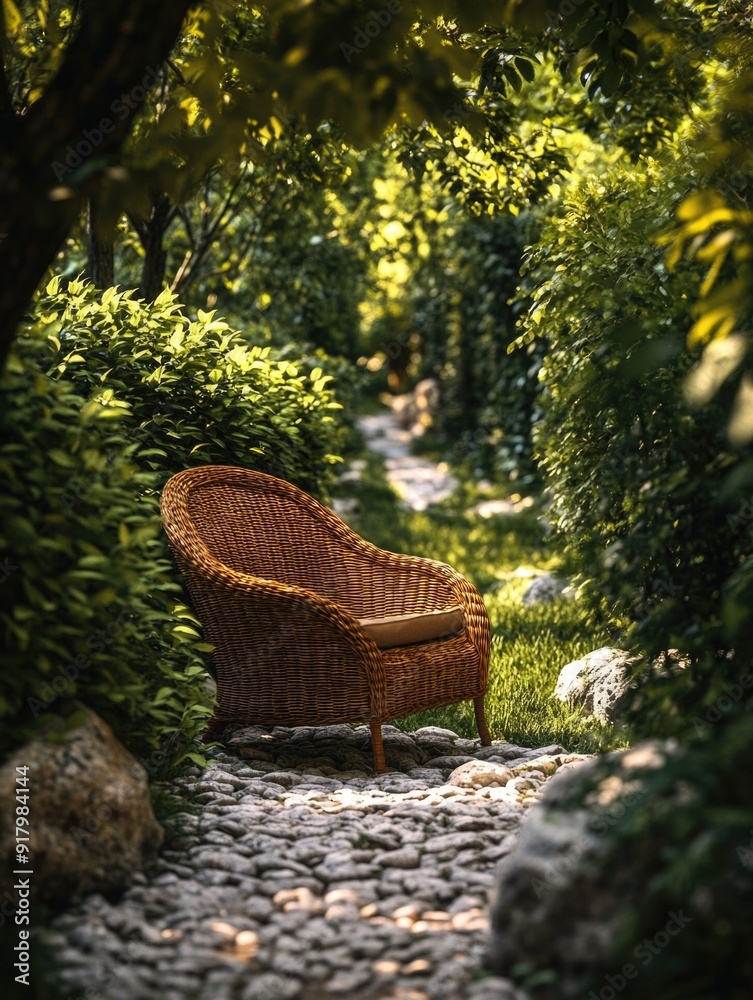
point(643, 498)
point(104, 399)
point(635, 475)
point(90, 605)
point(198, 393)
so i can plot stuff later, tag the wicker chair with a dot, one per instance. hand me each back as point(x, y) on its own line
point(282, 587)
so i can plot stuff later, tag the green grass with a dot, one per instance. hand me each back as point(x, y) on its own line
point(530, 645)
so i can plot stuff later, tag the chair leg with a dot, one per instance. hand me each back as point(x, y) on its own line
point(377, 745)
point(483, 731)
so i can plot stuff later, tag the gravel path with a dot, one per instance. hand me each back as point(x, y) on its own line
point(299, 874)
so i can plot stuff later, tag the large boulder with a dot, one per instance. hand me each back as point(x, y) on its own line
point(91, 821)
point(600, 683)
point(557, 905)
point(605, 683)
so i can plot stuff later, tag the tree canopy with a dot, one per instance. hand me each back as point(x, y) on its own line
point(126, 106)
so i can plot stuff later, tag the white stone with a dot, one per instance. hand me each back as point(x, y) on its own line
point(598, 682)
point(546, 587)
point(478, 773)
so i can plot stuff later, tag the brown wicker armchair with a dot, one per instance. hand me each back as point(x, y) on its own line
point(287, 594)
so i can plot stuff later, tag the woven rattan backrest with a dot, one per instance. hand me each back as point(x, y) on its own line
point(265, 527)
point(259, 531)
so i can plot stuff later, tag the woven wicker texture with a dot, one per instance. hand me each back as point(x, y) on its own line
point(278, 582)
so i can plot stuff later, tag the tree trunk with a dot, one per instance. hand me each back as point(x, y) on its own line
point(99, 251)
point(105, 74)
point(152, 235)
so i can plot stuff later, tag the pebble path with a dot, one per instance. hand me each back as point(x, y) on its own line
point(300, 874)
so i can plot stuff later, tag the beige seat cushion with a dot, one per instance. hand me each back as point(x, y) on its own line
point(402, 630)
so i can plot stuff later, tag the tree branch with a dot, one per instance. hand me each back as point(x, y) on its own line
point(139, 224)
point(188, 269)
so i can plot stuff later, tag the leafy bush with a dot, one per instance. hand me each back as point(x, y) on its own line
point(88, 597)
point(644, 499)
point(197, 392)
point(105, 398)
point(634, 473)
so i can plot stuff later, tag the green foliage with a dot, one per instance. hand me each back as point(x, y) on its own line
point(462, 303)
point(635, 475)
point(90, 605)
point(196, 392)
point(295, 262)
point(272, 237)
point(647, 500)
point(105, 399)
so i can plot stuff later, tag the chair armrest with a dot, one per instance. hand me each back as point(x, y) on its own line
point(416, 583)
point(238, 611)
point(470, 600)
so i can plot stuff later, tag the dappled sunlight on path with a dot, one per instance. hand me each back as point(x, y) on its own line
point(418, 481)
point(299, 873)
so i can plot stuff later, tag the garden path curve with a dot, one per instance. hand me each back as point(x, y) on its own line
point(418, 481)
